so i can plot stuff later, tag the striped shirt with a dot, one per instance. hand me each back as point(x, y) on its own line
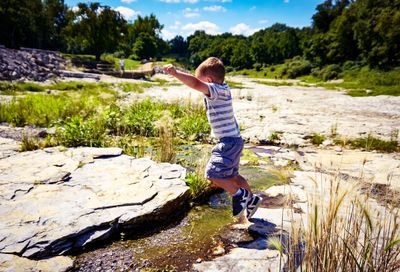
point(220, 111)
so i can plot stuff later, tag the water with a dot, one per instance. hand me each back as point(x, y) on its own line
point(178, 246)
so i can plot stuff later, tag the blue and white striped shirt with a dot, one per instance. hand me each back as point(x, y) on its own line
point(220, 111)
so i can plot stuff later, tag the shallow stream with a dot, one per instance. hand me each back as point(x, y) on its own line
point(202, 234)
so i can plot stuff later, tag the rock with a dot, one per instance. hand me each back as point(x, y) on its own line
point(380, 168)
point(32, 64)
point(305, 115)
point(294, 192)
point(51, 203)
point(326, 143)
point(13, 263)
point(218, 250)
point(338, 149)
point(244, 259)
point(8, 147)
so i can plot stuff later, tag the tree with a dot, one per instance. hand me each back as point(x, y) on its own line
point(179, 46)
point(145, 46)
point(94, 29)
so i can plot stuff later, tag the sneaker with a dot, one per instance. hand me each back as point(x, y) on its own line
point(252, 205)
point(239, 202)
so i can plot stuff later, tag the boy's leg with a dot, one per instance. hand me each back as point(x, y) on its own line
point(228, 184)
point(241, 182)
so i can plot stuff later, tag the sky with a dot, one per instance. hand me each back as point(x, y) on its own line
point(183, 17)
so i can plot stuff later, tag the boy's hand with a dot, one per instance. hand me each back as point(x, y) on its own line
point(170, 69)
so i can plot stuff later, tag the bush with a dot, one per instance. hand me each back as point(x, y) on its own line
point(296, 67)
point(257, 66)
point(141, 116)
point(77, 131)
point(194, 126)
point(330, 72)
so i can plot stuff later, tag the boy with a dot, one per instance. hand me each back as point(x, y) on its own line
point(222, 168)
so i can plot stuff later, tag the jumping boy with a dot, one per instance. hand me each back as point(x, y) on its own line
point(223, 167)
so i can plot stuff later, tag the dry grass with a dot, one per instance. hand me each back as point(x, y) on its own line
point(345, 231)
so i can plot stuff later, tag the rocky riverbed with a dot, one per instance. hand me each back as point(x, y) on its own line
point(56, 201)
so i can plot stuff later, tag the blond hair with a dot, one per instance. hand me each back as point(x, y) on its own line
point(212, 67)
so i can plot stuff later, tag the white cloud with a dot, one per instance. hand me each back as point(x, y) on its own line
point(264, 21)
point(242, 29)
point(75, 8)
point(176, 25)
point(208, 27)
point(215, 8)
point(180, 1)
point(168, 35)
point(191, 13)
point(127, 13)
point(128, 1)
point(286, 1)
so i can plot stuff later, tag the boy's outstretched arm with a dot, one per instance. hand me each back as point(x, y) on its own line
point(187, 79)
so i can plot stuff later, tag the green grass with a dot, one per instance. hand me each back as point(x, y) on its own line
point(129, 64)
point(317, 138)
point(275, 83)
point(45, 110)
point(271, 72)
point(370, 143)
point(234, 84)
point(78, 57)
point(9, 88)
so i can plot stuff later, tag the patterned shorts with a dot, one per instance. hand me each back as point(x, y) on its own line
point(225, 157)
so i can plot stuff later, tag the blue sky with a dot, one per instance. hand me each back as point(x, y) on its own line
point(183, 17)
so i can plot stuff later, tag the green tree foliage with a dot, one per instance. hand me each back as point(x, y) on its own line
point(363, 30)
point(145, 46)
point(94, 29)
point(146, 32)
point(179, 46)
point(32, 23)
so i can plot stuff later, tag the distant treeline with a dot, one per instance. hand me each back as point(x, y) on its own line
point(365, 31)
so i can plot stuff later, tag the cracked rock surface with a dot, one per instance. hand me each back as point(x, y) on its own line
point(54, 201)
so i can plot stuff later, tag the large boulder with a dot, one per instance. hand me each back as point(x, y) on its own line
point(55, 201)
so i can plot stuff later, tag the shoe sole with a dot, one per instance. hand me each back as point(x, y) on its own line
point(255, 209)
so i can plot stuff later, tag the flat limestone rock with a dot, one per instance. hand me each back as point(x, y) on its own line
point(86, 202)
point(244, 259)
point(374, 167)
point(13, 263)
point(8, 147)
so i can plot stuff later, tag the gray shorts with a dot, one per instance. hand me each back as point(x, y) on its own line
point(225, 157)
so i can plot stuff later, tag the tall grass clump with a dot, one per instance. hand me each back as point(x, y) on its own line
point(165, 128)
point(345, 233)
point(196, 180)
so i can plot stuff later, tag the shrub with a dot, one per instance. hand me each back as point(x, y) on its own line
point(296, 67)
point(330, 72)
point(317, 138)
point(140, 117)
point(77, 131)
point(257, 66)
